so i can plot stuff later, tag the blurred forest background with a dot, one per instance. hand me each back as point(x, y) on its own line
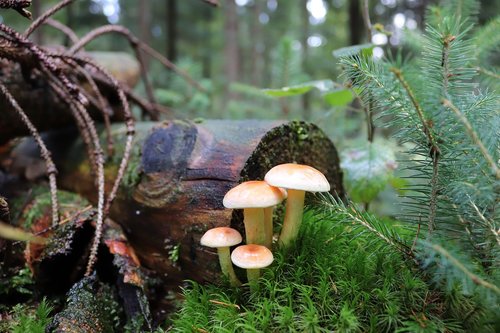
point(242, 46)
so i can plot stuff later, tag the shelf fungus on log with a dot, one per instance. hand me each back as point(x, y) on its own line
point(178, 175)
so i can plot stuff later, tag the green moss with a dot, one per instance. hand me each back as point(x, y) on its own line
point(91, 307)
point(25, 318)
point(41, 204)
point(327, 281)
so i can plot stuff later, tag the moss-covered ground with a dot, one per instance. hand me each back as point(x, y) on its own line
point(330, 280)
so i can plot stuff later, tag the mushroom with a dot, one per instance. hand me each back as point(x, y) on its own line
point(253, 196)
point(222, 238)
point(252, 257)
point(296, 179)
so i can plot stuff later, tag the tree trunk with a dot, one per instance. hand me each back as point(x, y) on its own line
point(231, 55)
point(144, 26)
point(178, 175)
point(356, 24)
point(171, 30)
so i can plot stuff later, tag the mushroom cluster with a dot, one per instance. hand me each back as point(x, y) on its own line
point(257, 199)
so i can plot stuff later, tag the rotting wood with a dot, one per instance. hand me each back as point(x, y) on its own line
point(178, 174)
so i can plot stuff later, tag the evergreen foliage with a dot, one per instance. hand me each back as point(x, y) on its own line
point(434, 103)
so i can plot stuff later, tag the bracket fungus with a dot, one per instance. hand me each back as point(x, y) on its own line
point(253, 197)
point(296, 179)
point(222, 238)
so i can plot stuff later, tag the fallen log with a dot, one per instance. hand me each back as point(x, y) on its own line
point(178, 175)
point(42, 105)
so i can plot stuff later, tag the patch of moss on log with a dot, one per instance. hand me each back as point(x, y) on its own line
point(92, 307)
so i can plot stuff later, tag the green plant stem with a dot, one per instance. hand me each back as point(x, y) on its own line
point(253, 275)
point(293, 216)
point(268, 226)
point(473, 135)
point(455, 262)
point(253, 218)
point(226, 266)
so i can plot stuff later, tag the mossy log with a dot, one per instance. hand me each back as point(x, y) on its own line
point(178, 175)
point(42, 105)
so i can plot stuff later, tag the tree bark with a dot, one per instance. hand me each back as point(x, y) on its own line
point(178, 176)
point(171, 30)
point(356, 25)
point(231, 54)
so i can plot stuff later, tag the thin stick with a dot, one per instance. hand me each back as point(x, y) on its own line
point(39, 21)
point(51, 168)
point(63, 28)
point(152, 52)
point(18, 5)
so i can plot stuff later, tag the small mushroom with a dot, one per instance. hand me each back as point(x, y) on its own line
point(252, 257)
point(253, 196)
point(296, 179)
point(222, 238)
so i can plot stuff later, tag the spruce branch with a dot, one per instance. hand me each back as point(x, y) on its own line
point(353, 216)
point(431, 141)
point(461, 267)
point(51, 167)
point(489, 224)
point(473, 135)
point(488, 72)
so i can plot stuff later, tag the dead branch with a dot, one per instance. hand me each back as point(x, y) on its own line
point(18, 5)
point(51, 168)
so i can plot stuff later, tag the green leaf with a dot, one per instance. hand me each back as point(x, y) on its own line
point(340, 97)
point(300, 89)
point(368, 169)
point(363, 49)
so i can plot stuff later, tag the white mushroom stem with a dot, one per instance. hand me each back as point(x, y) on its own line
point(253, 219)
point(253, 275)
point(226, 266)
point(268, 227)
point(293, 216)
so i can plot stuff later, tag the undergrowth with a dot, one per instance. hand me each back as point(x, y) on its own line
point(25, 319)
point(332, 279)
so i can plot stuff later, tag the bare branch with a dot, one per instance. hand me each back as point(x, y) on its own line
point(51, 167)
point(18, 5)
point(39, 21)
